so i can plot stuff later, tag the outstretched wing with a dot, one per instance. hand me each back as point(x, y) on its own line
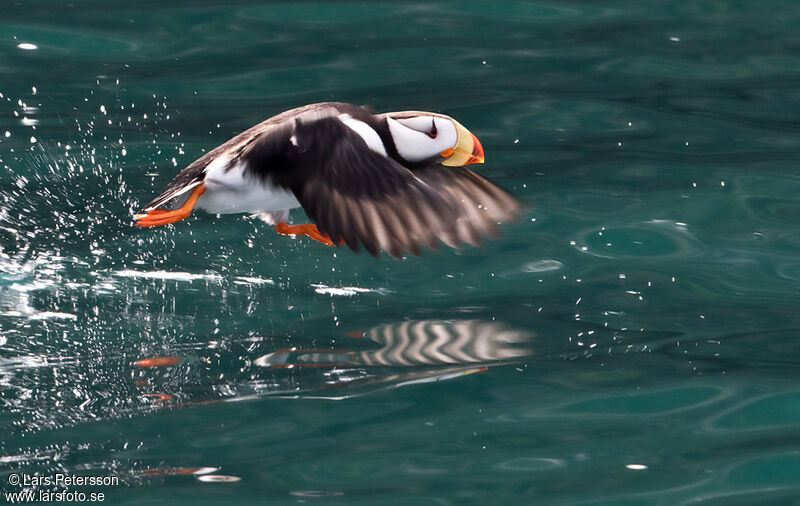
point(271, 134)
point(480, 204)
point(362, 197)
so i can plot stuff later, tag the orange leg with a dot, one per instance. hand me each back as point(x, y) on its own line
point(163, 216)
point(307, 229)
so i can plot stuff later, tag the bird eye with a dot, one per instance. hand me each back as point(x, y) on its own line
point(432, 133)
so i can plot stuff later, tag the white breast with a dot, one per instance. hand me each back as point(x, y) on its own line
point(230, 190)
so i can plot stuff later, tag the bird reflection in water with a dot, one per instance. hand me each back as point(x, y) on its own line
point(230, 369)
point(411, 352)
point(389, 356)
point(386, 356)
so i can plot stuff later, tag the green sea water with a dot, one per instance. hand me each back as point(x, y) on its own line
point(633, 339)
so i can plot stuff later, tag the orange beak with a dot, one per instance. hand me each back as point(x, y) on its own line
point(477, 151)
point(467, 150)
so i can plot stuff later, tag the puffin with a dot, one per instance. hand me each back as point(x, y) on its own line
point(392, 182)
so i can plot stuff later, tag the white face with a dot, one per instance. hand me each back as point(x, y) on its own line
point(422, 137)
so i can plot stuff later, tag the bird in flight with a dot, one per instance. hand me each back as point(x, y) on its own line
point(395, 181)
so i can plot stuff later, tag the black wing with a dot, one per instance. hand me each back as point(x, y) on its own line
point(184, 181)
point(269, 138)
point(359, 196)
point(481, 204)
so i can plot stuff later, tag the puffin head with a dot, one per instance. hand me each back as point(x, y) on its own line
point(425, 136)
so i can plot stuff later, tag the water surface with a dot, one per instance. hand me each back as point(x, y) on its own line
point(631, 340)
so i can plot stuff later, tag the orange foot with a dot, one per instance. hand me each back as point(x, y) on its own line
point(163, 216)
point(307, 229)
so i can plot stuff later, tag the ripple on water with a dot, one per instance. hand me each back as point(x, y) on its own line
point(543, 265)
point(571, 115)
point(770, 349)
point(316, 493)
point(535, 267)
point(776, 470)
point(323, 13)
point(763, 412)
point(79, 42)
point(788, 270)
point(654, 238)
point(526, 464)
point(663, 67)
point(648, 403)
point(774, 209)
